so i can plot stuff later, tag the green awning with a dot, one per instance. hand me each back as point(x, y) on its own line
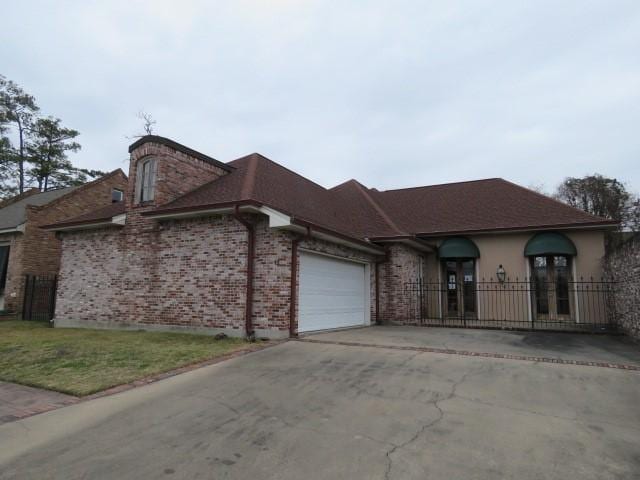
point(458, 247)
point(549, 243)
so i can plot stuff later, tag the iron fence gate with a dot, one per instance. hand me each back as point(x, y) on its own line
point(39, 297)
point(585, 305)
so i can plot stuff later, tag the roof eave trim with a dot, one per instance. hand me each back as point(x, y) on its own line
point(16, 229)
point(408, 240)
point(167, 142)
point(115, 221)
point(337, 237)
point(571, 226)
point(277, 219)
point(202, 210)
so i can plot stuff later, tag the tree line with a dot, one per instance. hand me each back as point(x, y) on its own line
point(33, 147)
point(602, 196)
point(598, 195)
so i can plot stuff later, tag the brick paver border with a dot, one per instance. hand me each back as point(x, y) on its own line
point(46, 407)
point(467, 353)
point(252, 347)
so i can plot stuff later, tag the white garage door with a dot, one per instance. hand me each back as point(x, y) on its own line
point(332, 293)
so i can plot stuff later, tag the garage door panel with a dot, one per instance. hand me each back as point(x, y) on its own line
point(332, 293)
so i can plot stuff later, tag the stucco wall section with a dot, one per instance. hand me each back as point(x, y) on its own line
point(508, 250)
point(622, 266)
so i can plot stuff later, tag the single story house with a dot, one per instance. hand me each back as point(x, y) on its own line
point(250, 247)
point(27, 249)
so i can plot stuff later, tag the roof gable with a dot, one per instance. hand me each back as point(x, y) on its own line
point(15, 213)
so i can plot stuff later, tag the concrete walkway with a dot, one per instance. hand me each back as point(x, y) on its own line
point(613, 349)
point(18, 401)
point(329, 411)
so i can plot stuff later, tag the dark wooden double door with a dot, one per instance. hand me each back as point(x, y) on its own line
point(550, 281)
point(460, 288)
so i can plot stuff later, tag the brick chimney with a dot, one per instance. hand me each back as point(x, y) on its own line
point(161, 170)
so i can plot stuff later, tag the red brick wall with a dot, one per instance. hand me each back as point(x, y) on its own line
point(177, 173)
point(272, 278)
point(404, 267)
point(182, 274)
point(14, 271)
point(175, 274)
point(191, 273)
point(37, 251)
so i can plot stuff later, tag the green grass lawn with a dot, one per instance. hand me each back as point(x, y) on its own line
point(82, 361)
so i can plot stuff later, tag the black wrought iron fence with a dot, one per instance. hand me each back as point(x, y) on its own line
point(39, 297)
point(584, 305)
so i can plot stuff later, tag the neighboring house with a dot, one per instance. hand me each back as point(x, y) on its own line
point(25, 248)
point(250, 247)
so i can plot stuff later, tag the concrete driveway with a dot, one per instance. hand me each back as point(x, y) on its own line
point(330, 411)
point(584, 348)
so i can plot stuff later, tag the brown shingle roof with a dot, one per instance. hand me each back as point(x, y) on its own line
point(359, 212)
point(355, 210)
point(258, 179)
point(480, 205)
point(362, 213)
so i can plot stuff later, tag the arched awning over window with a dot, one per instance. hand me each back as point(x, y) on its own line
point(458, 247)
point(549, 243)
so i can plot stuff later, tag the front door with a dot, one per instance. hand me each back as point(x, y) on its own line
point(460, 288)
point(551, 300)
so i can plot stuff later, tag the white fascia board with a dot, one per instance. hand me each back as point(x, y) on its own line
point(341, 241)
point(119, 219)
point(431, 236)
point(16, 229)
point(334, 239)
point(410, 242)
point(192, 214)
point(276, 219)
point(116, 221)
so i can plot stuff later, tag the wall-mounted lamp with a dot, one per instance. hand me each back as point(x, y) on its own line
point(501, 274)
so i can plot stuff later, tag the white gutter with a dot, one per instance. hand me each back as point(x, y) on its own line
point(16, 229)
point(194, 214)
point(277, 220)
point(420, 246)
point(340, 241)
point(506, 231)
point(116, 221)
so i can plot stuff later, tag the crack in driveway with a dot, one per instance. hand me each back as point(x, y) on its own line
point(435, 403)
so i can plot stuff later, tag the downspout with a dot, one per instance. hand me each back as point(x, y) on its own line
point(378, 292)
point(294, 286)
point(251, 240)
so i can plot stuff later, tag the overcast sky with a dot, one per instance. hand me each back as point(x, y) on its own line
point(393, 93)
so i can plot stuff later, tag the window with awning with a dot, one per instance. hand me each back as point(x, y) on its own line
point(458, 247)
point(549, 243)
